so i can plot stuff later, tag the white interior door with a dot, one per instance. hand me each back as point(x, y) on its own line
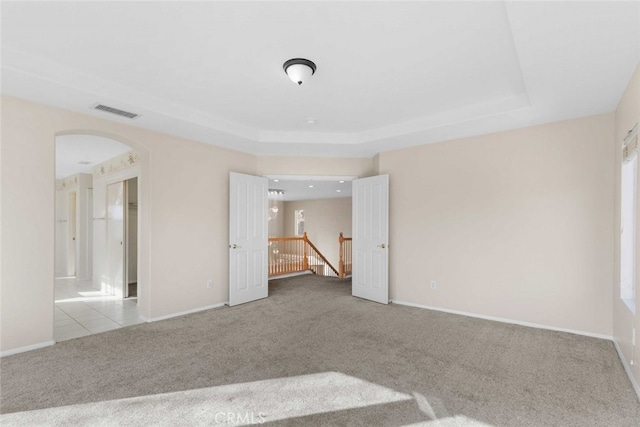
point(248, 238)
point(72, 245)
point(370, 273)
point(89, 233)
point(115, 239)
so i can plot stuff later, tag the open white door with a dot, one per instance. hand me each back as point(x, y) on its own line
point(72, 247)
point(115, 239)
point(370, 277)
point(248, 238)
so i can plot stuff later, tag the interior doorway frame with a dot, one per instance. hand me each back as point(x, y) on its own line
point(124, 176)
point(281, 177)
point(142, 172)
point(128, 237)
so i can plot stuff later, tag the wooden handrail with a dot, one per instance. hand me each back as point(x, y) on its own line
point(291, 255)
point(285, 255)
point(322, 257)
point(344, 264)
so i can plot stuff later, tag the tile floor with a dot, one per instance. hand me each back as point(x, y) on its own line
point(82, 310)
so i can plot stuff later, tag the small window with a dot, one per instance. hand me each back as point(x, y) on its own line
point(628, 209)
point(299, 222)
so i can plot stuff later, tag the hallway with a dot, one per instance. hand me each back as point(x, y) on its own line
point(82, 310)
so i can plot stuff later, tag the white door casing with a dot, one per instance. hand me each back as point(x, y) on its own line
point(72, 246)
point(130, 234)
point(89, 233)
point(115, 239)
point(248, 238)
point(370, 273)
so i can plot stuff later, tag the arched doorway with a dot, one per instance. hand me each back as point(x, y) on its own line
point(98, 227)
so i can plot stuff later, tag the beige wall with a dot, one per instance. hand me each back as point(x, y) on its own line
point(276, 225)
point(28, 218)
point(324, 221)
point(183, 204)
point(624, 322)
point(315, 166)
point(190, 222)
point(515, 225)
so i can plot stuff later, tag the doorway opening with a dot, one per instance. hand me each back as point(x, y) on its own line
point(249, 252)
point(86, 296)
point(131, 238)
point(314, 208)
point(122, 239)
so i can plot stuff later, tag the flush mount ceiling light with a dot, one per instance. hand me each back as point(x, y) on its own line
point(299, 69)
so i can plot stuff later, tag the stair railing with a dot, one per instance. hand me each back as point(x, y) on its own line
point(344, 266)
point(297, 254)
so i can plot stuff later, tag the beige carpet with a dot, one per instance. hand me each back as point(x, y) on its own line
point(311, 354)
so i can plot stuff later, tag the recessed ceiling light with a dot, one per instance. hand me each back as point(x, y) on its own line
point(310, 185)
point(338, 191)
point(311, 121)
point(341, 182)
point(276, 180)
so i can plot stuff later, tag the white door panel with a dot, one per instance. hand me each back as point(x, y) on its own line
point(73, 244)
point(115, 239)
point(370, 279)
point(248, 238)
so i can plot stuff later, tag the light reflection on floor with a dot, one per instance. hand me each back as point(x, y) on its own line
point(234, 405)
point(82, 310)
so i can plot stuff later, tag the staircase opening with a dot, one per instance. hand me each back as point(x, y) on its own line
point(310, 225)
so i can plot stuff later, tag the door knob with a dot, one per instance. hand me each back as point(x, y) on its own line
point(234, 246)
point(382, 246)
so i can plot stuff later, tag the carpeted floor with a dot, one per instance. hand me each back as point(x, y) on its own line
point(311, 354)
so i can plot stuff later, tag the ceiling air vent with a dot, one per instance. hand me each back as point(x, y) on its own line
point(116, 111)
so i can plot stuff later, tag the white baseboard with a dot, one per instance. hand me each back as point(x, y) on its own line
point(627, 369)
point(504, 320)
point(182, 313)
point(27, 348)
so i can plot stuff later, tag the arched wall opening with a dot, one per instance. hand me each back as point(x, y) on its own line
point(96, 218)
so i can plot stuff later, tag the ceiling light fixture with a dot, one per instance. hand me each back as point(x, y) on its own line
point(299, 69)
point(276, 192)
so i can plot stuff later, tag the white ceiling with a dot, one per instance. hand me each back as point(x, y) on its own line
point(307, 187)
point(390, 74)
point(74, 151)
